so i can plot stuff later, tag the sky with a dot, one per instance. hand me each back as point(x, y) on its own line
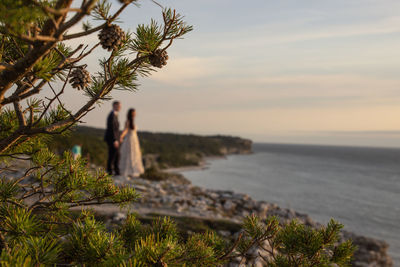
point(287, 71)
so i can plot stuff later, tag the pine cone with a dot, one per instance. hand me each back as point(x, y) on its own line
point(158, 58)
point(111, 37)
point(80, 78)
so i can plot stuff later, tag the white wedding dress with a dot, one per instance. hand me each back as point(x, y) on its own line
point(130, 163)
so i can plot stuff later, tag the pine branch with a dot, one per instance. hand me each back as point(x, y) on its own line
point(86, 9)
point(233, 247)
point(40, 49)
point(21, 118)
point(59, 12)
point(108, 22)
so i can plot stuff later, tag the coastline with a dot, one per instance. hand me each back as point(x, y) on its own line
point(203, 165)
point(371, 252)
point(167, 198)
point(197, 205)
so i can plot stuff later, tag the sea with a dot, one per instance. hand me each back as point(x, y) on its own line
point(357, 186)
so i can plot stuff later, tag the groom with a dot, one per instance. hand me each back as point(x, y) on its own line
point(112, 139)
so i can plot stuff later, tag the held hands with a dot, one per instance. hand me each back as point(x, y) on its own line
point(116, 144)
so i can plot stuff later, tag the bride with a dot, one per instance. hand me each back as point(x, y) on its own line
point(130, 163)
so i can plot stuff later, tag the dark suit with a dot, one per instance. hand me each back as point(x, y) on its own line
point(112, 134)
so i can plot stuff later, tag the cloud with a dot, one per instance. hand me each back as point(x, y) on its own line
point(300, 30)
point(188, 71)
point(334, 86)
point(384, 26)
point(382, 133)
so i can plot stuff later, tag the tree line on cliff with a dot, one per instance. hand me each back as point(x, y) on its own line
point(169, 149)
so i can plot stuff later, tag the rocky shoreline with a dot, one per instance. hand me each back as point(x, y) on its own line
point(178, 197)
point(223, 211)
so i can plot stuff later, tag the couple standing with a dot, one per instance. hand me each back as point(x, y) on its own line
point(124, 155)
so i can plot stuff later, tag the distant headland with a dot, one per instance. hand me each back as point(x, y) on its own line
point(166, 150)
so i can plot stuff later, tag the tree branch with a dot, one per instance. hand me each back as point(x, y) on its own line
point(59, 12)
point(111, 19)
point(51, 129)
point(81, 34)
point(22, 66)
point(229, 252)
point(23, 92)
point(86, 8)
point(40, 47)
point(21, 118)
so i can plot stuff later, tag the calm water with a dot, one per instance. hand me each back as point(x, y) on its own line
point(357, 186)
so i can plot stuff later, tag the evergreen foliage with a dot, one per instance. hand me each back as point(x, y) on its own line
point(295, 244)
point(38, 225)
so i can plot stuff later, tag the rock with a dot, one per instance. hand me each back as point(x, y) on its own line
point(198, 191)
point(162, 191)
point(189, 200)
point(181, 208)
point(262, 209)
point(218, 216)
point(224, 233)
point(167, 199)
point(141, 188)
point(212, 195)
point(250, 205)
point(244, 213)
point(240, 197)
point(229, 205)
point(370, 251)
point(119, 217)
point(224, 193)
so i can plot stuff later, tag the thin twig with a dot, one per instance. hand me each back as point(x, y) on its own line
point(232, 248)
point(3, 240)
point(109, 21)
